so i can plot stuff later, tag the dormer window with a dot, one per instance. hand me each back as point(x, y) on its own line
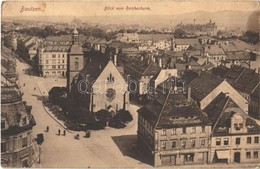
point(24, 121)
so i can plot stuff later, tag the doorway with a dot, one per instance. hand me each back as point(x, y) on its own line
point(237, 157)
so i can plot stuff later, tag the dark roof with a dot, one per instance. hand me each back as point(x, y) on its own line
point(215, 107)
point(12, 108)
point(221, 119)
point(233, 74)
point(247, 81)
point(192, 42)
point(219, 71)
point(144, 68)
point(10, 94)
point(188, 76)
point(238, 55)
point(203, 85)
point(256, 92)
point(162, 112)
point(93, 68)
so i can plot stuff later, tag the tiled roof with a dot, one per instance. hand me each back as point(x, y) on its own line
point(93, 68)
point(192, 42)
point(233, 73)
point(171, 53)
point(162, 112)
point(100, 41)
point(247, 81)
point(242, 46)
point(215, 107)
point(219, 71)
point(12, 108)
point(221, 118)
point(154, 37)
point(214, 50)
point(203, 85)
point(144, 68)
point(229, 47)
point(10, 94)
point(238, 55)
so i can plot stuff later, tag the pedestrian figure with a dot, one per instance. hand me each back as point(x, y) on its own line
point(24, 84)
point(47, 128)
point(58, 132)
point(34, 88)
point(64, 132)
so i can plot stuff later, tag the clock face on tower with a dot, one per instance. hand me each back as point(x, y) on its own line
point(110, 94)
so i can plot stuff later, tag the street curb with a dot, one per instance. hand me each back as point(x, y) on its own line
point(50, 113)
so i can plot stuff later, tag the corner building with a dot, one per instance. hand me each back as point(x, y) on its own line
point(172, 130)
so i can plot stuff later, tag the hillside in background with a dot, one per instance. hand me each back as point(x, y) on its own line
point(229, 19)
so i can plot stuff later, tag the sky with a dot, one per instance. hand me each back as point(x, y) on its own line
point(97, 8)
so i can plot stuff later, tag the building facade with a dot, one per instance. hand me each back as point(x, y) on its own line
point(235, 135)
point(16, 125)
point(172, 130)
point(53, 61)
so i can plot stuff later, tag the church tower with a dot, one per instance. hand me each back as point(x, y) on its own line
point(75, 60)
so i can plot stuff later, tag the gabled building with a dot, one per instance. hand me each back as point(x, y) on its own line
point(235, 135)
point(163, 75)
point(172, 130)
point(238, 59)
point(207, 87)
point(100, 85)
point(139, 75)
point(215, 54)
point(185, 44)
point(239, 78)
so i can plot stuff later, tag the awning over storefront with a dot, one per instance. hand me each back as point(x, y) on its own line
point(223, 154)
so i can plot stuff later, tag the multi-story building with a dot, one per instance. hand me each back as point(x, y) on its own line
point(215, 54)
point(53, 60)
point(235, 135)
point(100, 85)
point(172, 130)
point(139, 75)
point(16, 125)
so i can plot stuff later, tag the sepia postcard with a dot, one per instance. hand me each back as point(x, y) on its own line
point(130, 84)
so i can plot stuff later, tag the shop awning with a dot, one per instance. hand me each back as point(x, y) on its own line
point(223, 154)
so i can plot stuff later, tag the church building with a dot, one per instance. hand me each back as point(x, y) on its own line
point(95, 82)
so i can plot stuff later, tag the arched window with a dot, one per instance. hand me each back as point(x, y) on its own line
point(76, 65)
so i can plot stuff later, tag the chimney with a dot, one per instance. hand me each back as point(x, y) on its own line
point(115, 60)
point(142, 58)
point(153, 58)
point(160, 62)
point(189, 94)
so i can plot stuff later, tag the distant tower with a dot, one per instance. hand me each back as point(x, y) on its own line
point(13, 41)
point(75, 60)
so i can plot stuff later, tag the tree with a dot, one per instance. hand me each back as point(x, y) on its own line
point(102, 117)
point(179, 33)
point(124, 116)
point(251, 37)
